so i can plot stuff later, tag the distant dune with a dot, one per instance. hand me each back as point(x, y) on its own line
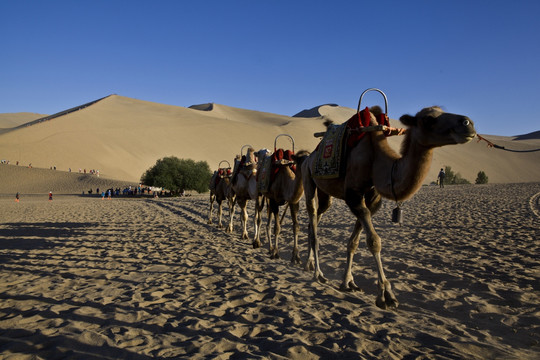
point(27, 181)
point(12, 120)
point(122, 137)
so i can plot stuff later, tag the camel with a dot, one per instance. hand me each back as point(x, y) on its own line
point(373, 170)
point(219, 191)
point(286, 188)
point(244, 186)
point(260, 200)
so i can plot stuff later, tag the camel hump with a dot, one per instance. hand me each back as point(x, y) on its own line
point(376, 110)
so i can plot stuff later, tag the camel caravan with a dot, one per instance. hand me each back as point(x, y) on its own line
point(352, 162)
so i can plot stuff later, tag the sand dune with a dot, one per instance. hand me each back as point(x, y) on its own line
point(144, 278)
point(11, 120)
point(122, 137)
point(24, 180)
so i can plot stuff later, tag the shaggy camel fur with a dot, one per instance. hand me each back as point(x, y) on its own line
point(244, 185)
point(219, 194)
point(285, 189)
point(373, 170)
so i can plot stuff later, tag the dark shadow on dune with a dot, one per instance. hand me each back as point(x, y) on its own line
point(203, 107)
point(530, 136)
point(313, 112)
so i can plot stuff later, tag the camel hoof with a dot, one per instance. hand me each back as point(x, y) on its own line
point(309, 266)
point(320, 278)
point(388, 301)
point(256, 244)
point(209, 222)
point(295, 259)
point(274, 255)
point(349, 287)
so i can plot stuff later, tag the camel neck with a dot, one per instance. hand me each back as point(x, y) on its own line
point(399, 177)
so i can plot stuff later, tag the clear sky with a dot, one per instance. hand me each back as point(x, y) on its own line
point(480, 58)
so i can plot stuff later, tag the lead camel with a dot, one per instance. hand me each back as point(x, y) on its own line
point(373, 170)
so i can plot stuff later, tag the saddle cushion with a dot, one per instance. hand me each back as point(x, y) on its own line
point(337, 141)
point(278, 156)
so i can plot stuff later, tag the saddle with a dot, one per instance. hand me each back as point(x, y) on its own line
point(219, 174)
point(270, 166)
point(332, 151)
point(242, 164)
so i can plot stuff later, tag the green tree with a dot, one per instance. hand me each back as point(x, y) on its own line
point(177, 174)
point(454, 178)
point(481, 178)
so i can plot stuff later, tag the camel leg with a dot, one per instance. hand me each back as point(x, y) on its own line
point(269, 215)
point(259, 207)
point(274, 209)
point(295, 258)
point(244, 218)
point(232, 203)
point(348, 280)
point(385, 297)
point(211, 208)
point(320, 202)
point(220, 213)
point(311, 205)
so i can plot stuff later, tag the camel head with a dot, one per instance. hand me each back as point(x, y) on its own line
point(261, 154)
point(432, 127)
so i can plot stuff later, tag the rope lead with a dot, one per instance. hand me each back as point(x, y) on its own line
point(490, 144)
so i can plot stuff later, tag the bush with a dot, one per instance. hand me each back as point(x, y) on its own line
point(454, 178)
point(481, 178)
point(177, 174)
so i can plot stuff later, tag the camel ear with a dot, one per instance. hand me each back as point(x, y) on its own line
point(408, 120)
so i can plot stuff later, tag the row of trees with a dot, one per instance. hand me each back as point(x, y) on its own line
point(452, 178)
point(177, 175)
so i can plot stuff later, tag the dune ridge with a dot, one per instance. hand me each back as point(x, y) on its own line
point(122, 137)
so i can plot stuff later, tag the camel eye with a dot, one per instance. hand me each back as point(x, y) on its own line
point(466, 122)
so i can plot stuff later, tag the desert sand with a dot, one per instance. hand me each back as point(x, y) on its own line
point(147, 278)
point(141, 278)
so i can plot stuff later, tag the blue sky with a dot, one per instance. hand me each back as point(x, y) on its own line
point(478, 58)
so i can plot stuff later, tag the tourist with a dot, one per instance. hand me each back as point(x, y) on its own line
point(441, 177)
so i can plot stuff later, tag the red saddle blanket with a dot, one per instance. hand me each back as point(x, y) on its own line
point(360, 120)
point(277, 157)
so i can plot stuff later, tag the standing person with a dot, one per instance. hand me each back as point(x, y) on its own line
point(109, 194)
point(50, 195)
point(441, 177)
point(17, 197)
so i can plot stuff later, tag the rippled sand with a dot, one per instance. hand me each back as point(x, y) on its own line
point(82, 277)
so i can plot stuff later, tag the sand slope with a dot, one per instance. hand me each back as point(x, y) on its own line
point(11, 120)
point(139, 279)
point(122, 137)
point(40, 181)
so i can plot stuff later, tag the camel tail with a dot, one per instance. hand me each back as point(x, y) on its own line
point(301, 156)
